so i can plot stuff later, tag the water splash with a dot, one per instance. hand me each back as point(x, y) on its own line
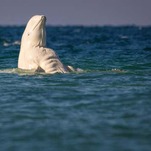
point(78, 71)
point(17, 71)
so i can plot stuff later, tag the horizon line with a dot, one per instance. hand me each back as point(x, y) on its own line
point(80, 25)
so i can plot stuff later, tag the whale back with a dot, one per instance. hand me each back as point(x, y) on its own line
point(35, 32)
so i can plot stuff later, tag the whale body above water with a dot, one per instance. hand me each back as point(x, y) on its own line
point(33, 52)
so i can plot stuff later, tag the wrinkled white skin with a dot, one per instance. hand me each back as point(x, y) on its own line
point(33, 53)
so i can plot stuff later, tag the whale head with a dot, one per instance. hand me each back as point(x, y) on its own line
point(35, 32)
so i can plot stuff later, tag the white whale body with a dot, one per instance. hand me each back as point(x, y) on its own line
point(33, 52)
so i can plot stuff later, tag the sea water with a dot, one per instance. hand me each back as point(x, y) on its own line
point(106, 107)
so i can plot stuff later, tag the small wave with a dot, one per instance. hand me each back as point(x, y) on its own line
point(7, 44)
point(115, 70)
point(147, 49)
point(124, 37)
point(118, 70)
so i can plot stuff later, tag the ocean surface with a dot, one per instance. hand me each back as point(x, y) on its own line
point(106, 107)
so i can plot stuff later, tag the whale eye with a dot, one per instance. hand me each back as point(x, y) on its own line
point(28, 34)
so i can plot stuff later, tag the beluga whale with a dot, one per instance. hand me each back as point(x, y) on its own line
point(34, 55)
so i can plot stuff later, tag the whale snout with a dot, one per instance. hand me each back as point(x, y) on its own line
point(43, 17)
point(38, 18)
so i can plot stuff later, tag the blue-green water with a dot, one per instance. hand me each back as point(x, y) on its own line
point(105, 108)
